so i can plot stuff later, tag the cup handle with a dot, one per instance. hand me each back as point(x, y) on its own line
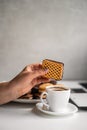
point(42, 100)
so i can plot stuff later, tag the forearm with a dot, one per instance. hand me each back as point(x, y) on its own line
point(8, 92)
point(12, 90)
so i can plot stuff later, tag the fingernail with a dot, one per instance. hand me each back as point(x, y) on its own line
point(46, 70)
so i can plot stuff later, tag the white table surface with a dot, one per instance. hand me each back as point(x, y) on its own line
point(19, 116)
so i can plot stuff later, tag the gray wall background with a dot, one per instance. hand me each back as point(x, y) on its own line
point(32, 30)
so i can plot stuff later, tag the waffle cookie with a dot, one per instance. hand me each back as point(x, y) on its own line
point(55, 69)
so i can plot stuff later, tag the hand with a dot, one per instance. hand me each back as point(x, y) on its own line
point(30, 76)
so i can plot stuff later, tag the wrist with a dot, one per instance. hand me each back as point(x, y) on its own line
point(4, 83)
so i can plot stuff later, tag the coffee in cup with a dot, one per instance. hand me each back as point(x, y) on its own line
point(57, 97)
point(58, 88)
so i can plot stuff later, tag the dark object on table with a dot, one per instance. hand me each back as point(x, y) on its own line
point(83, 85)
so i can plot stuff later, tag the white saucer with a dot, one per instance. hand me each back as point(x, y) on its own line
point(71, 109)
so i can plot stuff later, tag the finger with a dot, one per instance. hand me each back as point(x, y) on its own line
point(39, 80)
point(39, 72)
point(32, 67)
point(36, 67)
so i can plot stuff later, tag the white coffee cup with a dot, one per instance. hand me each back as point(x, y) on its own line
point(57, 97)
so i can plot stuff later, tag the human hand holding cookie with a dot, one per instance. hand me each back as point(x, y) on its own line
point(55, 72)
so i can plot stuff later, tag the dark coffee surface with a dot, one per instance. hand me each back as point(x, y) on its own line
point(58, 89)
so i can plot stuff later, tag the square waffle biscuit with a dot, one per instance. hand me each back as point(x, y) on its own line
point(55, 69)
